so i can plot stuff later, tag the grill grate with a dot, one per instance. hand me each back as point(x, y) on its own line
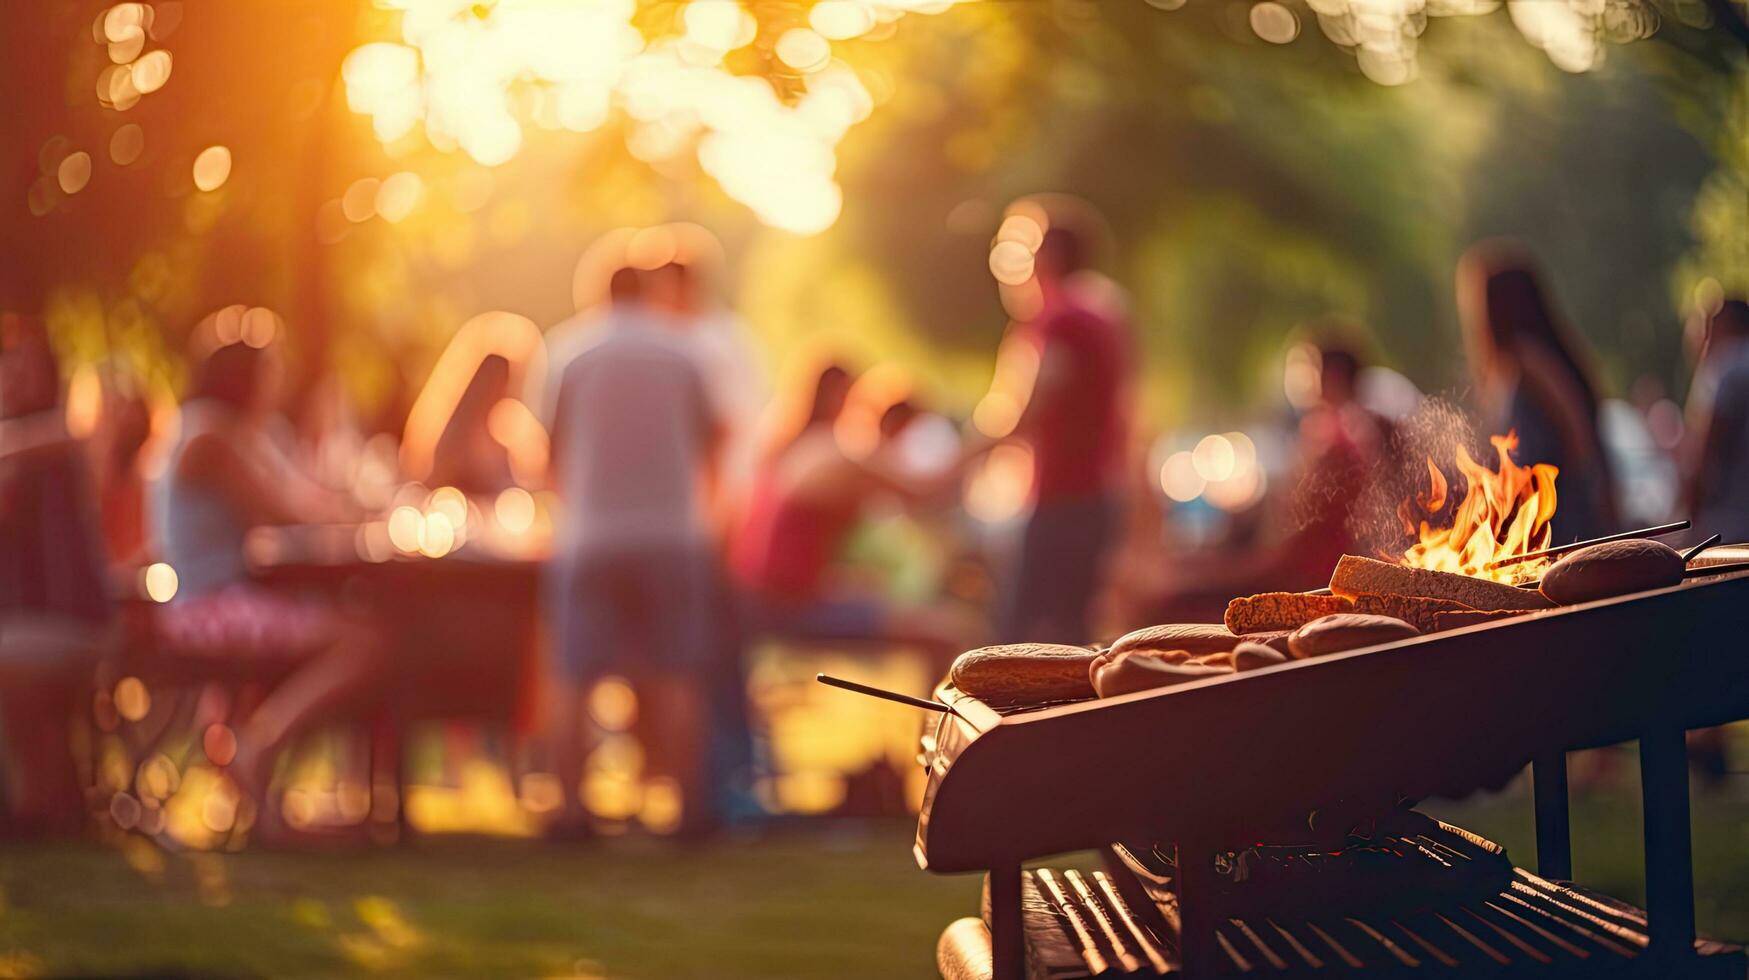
point(1123, 922)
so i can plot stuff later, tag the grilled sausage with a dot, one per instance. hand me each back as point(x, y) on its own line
point(1195, 639)
point(1126, 673)
point(1250, 656)
point(1024, 673)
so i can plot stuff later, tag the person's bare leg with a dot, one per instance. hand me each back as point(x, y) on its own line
point(568, 742)
point(337, 677)
point(675, 746)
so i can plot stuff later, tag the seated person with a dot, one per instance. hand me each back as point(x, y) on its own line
point(224, 476)
point(807, 498)
point(468, 457)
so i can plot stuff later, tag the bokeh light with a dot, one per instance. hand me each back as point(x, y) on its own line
point(132, 700)
point(464, 72)
point(1274, 23)
point(1179, 479)
point(74, 172)
point(514, 509)
point(804, 49)
point(1213, 458)
point(126, 144)
point(160, 581)
point(212, 168)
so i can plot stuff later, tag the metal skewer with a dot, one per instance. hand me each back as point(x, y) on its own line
point(1561, 549)
point(1719, 569)
point(876, 692)
point(1688, 556)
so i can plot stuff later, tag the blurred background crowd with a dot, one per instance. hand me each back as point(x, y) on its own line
point(624, 500)
point(423, 416)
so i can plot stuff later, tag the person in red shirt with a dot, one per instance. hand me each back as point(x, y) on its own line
point(1076, 422)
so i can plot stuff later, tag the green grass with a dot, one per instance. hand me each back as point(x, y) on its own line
point(837, 902)
point(831, 901)
point(1606, 827)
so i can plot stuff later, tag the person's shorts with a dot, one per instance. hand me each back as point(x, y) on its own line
point(248, 621)
point(640, 609)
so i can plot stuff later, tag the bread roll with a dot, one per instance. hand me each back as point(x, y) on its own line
point(1195, 639)
point(1347, 631)
point(1024, 673)
point(1611, 569)
point(1222, 659)
point(1280, 611)
point(1126, 673)
point(1250, 656)
point(1275, 639)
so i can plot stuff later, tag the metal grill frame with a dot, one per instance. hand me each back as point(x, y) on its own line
point(1432, 713)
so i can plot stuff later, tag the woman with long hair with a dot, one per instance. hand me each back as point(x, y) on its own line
point(467, 456)
point(1534, 377)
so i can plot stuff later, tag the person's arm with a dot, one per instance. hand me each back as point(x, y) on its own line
point(1055, 368)
point(1574, 420)
point(214, 462)
point(1719, 429)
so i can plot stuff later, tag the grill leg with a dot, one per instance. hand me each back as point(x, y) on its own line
point(1554, 851)
point(1669, 858)
point(1196, 910)
point(1007, 943)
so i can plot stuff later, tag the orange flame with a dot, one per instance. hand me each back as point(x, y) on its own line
point(1504, 512)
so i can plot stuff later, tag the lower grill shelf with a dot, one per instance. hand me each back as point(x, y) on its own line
point(1123, 921)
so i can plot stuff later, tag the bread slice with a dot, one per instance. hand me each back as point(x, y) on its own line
point(1271, 611)
point(1418, 611)
point(1356, 576)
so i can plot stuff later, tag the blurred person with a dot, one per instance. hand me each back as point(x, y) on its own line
point(1340, 443)
point(1533, 376)
point(735, 381)
point(467, 456)
point(1715, 467)
point(223, 477)
point(809, 495)
point(729, 364)
point(55, 604)
point(1076, 421)
point(634, 574)
point(1716, 453)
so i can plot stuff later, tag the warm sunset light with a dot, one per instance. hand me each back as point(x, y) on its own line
point(874, 488)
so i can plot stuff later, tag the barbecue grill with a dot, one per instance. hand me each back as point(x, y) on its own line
point(1161, 782)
